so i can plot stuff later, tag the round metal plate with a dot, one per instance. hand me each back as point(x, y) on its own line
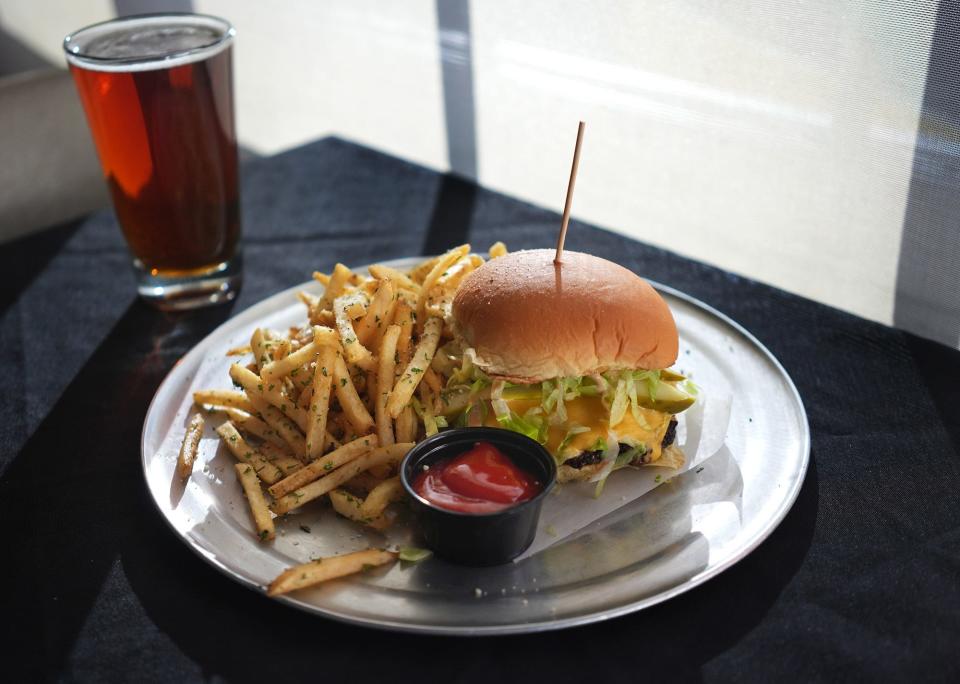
point(664, 543)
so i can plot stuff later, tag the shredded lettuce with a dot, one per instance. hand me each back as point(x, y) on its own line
point(412, 554)
point(468, 375)
point(479, 384)
point(644, 389)
point(464, 375)
point(500, 407)
point(525, 425)
point(609, 461)
point(635, 404)
point(618, 407)
point(430, 423)
point(461, 419)
point(600, 383)
point(620, 461)
point(627, 457)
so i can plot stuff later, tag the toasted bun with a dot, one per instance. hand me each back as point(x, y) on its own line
point(568, 474)
point(529, 319)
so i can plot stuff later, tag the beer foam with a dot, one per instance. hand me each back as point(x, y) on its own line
point(148, 43)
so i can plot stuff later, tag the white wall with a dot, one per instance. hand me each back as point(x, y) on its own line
point(772, 139)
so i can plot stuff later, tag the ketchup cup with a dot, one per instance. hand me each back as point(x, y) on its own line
point(479, 538)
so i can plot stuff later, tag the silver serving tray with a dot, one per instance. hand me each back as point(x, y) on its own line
point(666, 542)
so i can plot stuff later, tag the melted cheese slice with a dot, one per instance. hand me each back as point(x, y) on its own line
point(592, 414)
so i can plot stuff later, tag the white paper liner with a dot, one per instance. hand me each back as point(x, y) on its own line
point(701, 431)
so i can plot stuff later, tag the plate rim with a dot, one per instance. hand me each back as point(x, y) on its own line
point(544, 625)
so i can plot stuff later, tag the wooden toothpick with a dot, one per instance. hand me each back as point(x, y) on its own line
point(566, 207)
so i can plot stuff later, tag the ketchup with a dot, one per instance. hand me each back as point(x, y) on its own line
point(482, 480)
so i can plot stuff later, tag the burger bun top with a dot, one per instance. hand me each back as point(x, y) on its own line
point(529, 319)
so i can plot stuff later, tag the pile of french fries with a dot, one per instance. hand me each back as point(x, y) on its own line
point(328, 409)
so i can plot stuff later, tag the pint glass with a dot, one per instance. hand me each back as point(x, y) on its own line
point(158, 95)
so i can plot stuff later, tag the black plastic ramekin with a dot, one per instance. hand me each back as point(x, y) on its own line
point(479, 538)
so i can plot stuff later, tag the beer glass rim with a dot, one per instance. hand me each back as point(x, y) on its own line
point(75, 49)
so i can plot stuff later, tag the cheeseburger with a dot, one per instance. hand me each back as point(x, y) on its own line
point(574, 355)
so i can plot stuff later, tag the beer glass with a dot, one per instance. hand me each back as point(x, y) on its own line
point(158, 95)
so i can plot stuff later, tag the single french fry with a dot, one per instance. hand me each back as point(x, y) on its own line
point(245, 453)
point(386, 366)
point(315, 314)
point(355, 352)
point(400, 280)
point(258, 505)
point(357, 307)
point(388, 455)
point(324, 569)
point(286, 428)
point(292, 363)
point(269, 391)
point(324, 465)
point(280, 457)
point(381, 496)
point(419, 272)
point(378, 314)
point(242, 350)
point(350, 402)
point(320, 402)
point(322, 317)
point(231, 398)
point(497, 249)
point(325, 336)
point(453, 276)
point(413, 373)
point(260, 344)
point(188, 449)
point(291, 389)
point(447, 260)
point(348, 505)
point(281, 349)
point(321, 278)
point(339, 280)
point(248, 423)
point(403, 316)
point(406, 426)
point(309, 300)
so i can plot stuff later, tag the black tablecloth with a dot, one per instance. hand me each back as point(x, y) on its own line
point(861, 581)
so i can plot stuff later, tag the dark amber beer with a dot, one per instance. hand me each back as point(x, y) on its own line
point(158, 95)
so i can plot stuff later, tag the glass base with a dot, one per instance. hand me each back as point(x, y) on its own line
point(180, 292)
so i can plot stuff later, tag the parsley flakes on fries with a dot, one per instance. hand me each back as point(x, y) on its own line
point(329, 408)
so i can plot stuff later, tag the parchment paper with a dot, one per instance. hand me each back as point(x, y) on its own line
point(572, 506)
